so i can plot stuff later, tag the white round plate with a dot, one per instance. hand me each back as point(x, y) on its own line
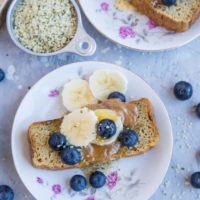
point(137, 177)
point(132, 29)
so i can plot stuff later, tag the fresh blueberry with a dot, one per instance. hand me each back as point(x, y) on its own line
point(169, 2)
point(198, 110)
point(97, 179)
point(71, 155)
point(128, 138)
point(117, 95)
point(106, 128)
point(2, 75)
point(195, 180)
point(183, 90)
point(6, 193)
point(78, 183)
point(57, 141)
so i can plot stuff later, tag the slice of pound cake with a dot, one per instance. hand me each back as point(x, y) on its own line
point(139, 116)
point(176, 15)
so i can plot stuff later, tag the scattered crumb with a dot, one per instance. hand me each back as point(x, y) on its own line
point(182, 193)
point(190, 125)
point(144, 75)
point(178, 169)
point(45, 60)
point(104, 51)
point(11, 71)
point(130, 64)
point(187, 180)
point(184, 137)
point(193, 109)
point(173, 197)
point(184, 131)
point(166, 184)
point(164, 192)
point(19, 87)
point(179, 197)
point(188, 146)
point(118, 62)
point(132, 97)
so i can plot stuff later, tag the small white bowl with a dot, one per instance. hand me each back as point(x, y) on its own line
point(81, 44)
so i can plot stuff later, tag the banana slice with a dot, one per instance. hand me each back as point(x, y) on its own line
point(104, 82)
point(108, 114)
point(79, 127)
point(77, 94)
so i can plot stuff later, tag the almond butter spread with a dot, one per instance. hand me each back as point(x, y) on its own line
point(127, 111)
point(95, 153)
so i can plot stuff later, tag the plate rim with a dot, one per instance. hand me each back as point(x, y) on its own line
point(102, 63)
point(134, 48)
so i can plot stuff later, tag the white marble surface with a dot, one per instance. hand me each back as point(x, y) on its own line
point(161, 70)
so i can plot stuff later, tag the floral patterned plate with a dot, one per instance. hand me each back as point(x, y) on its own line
point(132, 29)
point(137, 177)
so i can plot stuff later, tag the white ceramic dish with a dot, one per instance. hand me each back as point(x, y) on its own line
point(132, 29)
point(82, 43)
point(137, 177)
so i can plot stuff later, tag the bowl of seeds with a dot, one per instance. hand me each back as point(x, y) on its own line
point(48, 27)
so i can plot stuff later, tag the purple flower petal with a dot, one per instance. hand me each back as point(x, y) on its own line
point(151, 24)
point(104, 6)
point(90, 198)
point(39, 180)
point(54, 93)
point(56, 189)
point(125, 31)
point(112, 179)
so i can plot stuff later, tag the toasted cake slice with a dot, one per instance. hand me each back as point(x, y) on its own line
point(145, 126)
point(178, 17)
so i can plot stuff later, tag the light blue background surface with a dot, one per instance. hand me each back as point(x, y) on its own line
point(161, 70)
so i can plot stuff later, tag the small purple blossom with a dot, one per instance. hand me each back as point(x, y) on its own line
point(151, 24)
point(39, 180)
point(112, 179)
point(90, 198)
point(54, 93)
point(126, 31)
point(56, 189)
point(104, 6)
